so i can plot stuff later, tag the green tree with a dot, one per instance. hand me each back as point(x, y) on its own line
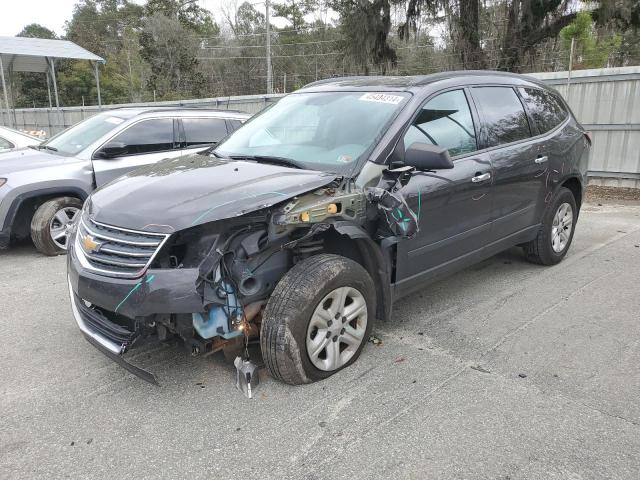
point(365, 27)
point(171, 49)
point(589, 50)
point(187, 12)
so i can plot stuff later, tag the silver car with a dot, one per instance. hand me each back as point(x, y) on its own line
point(42, 188)
point(12, 140)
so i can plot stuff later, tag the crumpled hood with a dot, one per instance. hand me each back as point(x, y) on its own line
point(179, 193)
point(28, 159)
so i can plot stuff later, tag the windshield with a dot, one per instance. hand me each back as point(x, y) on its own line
point(78, 137)
point(327, 131)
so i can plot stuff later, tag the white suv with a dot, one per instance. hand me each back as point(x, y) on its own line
point(42, 188)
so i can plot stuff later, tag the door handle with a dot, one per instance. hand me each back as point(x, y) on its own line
point(481, 178)
point(541, 159)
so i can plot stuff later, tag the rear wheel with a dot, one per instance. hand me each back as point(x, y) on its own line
point(51, 223)
point(318, 319)
point(556, 233)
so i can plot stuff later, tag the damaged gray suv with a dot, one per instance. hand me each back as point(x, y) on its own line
point(300, 230)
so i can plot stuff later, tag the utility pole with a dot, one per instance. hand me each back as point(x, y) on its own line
point(269, 82)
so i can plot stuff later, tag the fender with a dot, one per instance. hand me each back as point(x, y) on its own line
point(17, 201)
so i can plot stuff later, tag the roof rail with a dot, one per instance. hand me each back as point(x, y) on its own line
point(161, 108)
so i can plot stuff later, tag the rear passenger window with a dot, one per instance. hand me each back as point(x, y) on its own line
point(203, 131)
point(504, 117)
point(446, 121)
point(545, 108)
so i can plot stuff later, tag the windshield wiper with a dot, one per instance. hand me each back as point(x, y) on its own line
point(287, 162)
point(43, 147)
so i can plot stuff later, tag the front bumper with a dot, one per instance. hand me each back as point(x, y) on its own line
point(160, 291)
point(107, 346)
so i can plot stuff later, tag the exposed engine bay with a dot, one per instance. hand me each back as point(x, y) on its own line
point(234, 264)
point(242, 265)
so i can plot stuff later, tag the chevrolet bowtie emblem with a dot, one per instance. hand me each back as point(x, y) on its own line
point(89, 244)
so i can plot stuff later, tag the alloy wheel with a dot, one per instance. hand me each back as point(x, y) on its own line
point(61, 224)
point(561, 227)
point(337, 328)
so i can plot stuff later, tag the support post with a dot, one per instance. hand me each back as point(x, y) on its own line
point(49, 89)
point(4, 89)
point(269, 83)
point(97, 70)
point(52, 68)
point(573, 41)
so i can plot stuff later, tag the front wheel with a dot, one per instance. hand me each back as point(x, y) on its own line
point(318, 319)
point(51, 223)
point(556, 233)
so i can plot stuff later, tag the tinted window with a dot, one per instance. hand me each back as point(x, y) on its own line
point(235, 124)
point(446, 121)
point(504, 117)
point(148, 136)
point(200, 131)
point(5, 144)
point(545, 108)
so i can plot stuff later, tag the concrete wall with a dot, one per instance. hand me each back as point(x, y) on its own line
point(606, 101)
point(50, 121)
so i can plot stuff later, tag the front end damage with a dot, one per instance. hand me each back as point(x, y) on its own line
point(208, 284)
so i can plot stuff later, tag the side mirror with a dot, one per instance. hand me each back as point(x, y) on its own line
point(112, 150)
point(423, 156)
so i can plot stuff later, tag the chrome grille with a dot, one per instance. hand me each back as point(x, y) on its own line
point(115, 251)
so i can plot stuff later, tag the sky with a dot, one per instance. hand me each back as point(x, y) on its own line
point(16, 14)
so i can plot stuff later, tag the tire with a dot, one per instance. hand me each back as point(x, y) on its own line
point(45, 217)
point(290, 319)
point(545, 249)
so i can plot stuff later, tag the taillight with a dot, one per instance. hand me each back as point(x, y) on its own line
point(587, 135)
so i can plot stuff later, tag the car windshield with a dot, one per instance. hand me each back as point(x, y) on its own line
point(327, 131)
point(78, 137)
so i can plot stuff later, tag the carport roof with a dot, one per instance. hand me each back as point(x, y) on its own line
point(23, 54)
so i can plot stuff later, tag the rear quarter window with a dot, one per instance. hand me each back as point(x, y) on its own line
point(546, 109)
point(5, 144)
point(505, 120)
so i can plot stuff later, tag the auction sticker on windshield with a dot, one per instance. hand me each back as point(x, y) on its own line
point(382, 98)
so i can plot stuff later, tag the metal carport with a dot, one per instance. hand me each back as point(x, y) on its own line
point(22, 54)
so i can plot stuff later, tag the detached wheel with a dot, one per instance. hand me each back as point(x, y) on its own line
point(51, 223)
point(318, 319)
point(556, 233)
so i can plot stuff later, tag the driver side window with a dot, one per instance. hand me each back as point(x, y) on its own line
point(148, 136)
point(445, 121)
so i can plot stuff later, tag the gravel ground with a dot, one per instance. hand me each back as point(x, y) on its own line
point(505, 370)
point(597, 194)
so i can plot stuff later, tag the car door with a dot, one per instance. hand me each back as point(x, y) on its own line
point(452, 206)
point(519, 166)
point(142, 143)
point(199, 133)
